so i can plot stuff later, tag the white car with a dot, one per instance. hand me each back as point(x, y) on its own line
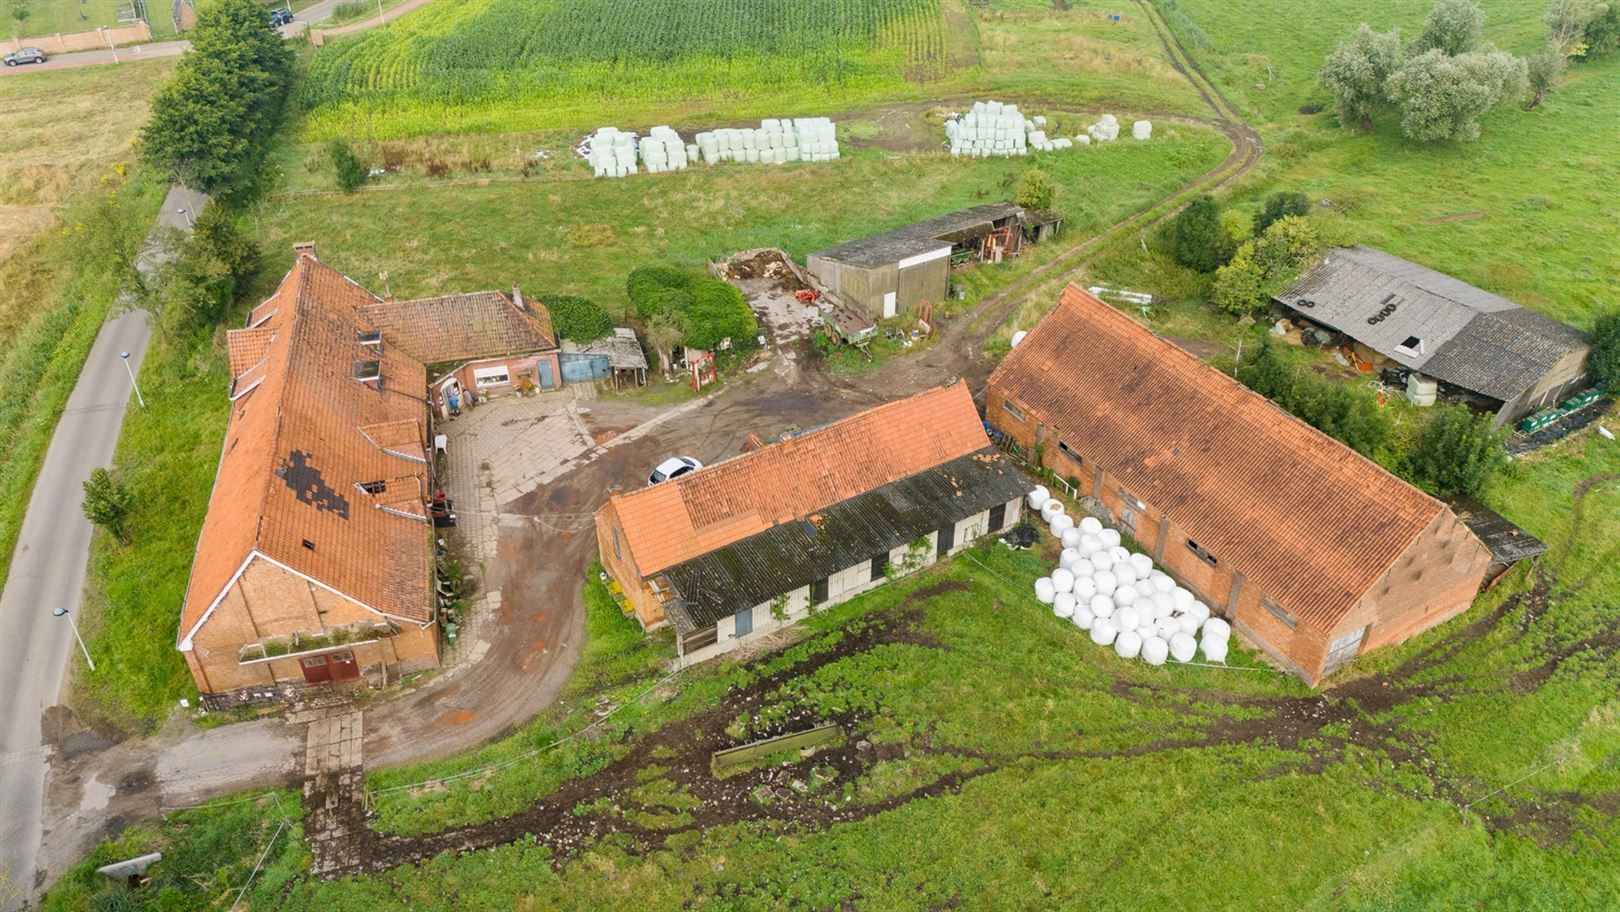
point(673, 467)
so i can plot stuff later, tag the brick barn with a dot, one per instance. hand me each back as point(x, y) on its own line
point(752, 544)
point(1315, 553)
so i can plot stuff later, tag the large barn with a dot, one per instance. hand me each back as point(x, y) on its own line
point(1486, 349)
point(889, 274)
point(1314, 552)
point(751, 544)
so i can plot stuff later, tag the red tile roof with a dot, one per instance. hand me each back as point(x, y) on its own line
point(724, 503)
point(301, 440)
point(1307, 519)
point(463, 327)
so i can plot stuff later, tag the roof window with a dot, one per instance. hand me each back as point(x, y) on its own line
point(1412, 346)
point(372, 487)
point(367, 370)
point(368, 336)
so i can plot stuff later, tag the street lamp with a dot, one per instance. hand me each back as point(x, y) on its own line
point(63, 613)
point(188, 217)
point(138, 397)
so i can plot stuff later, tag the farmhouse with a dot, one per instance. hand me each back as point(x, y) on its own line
point(1314, 552)
point(481, 344)
point(751, 544)
point(892, 273)
point(315, 562)
point(1494, 354)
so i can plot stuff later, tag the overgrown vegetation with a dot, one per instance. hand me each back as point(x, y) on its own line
point(1456, 453)
point(1335, 409)
point(1604, 363)
point(576, 318)
point(347, 168)
point(713, 313)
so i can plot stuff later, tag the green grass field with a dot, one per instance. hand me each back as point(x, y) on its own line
point(50, 17)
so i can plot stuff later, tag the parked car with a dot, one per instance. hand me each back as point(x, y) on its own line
point(673, 467)
point(280, 17)
point(26, 55)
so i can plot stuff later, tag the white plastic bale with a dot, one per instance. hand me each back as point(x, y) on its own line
point(1090, 545)
point(1102, 560)
point(1165, 628)
point(1155, 650)
point(1182, 597)
point(1044, 590)
point(1217, 629)
point(1082, 140)
point(1162, 581)
point(1144, 589)
point(1118, 553)
point(1164, 605)
point(1127, 617)
point(1071, 540)
point(1061, 523)
point(1143, 565)
point(1124, 595)
point(1214, 650)
point(1062, 580)
point(1198, 611)
point(1038, 497)
point(1067, 559)
point(1063, 604)
point(1125, 573)
point(1101, 606)
point(1084, 588)
point(1104, 582)
point(1082, 568)
point(1183, 647)
point(1091, 525)
point(1083, 618)
point(1142, 129)
point(1128, 645)
point(1102, 632)
point(1187, 624)
point(1109, 537)
point(1050, 509)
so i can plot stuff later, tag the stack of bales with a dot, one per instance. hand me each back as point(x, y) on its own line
point(1120, 598)
point(773, 142)
point(662, 149)
point(1038, 141)
point(613, 154)
point(1105, 129)
point(990, 128)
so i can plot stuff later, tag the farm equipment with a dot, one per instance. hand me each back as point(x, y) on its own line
point(807, 295)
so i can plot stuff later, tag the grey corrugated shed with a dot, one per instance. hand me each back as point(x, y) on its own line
point(921, 237)
point(1471, 338)
point(1509, 544)
point(797, 553)
point(622, 348)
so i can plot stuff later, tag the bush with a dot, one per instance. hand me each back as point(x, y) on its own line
point(1456, 454)
point(1278, 205)
point(1266, 265)
point(719, 313)
point(1454, 27)
point(213, 264)
point(1443, 97)
point(576, 318)
point(1603, 32)
point(644, 286)
point(1356, 72)
point(1036, 191)
point(351, 173)
point(1340, 411)
point(1604, 362)
point(1238, 284)
point(1195, 235)
point(1544, 71)
point(107, 503)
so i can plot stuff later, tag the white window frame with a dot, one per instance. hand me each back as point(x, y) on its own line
point(487, 376)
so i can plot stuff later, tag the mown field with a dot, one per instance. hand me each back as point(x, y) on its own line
point(996, 759)
point(482, 66)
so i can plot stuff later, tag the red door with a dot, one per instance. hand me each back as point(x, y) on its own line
point(343, 666)
point(316, 671)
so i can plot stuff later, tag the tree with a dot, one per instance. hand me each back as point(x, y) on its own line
point(664, 332)
point(212, 121)
point(1356, 72)
point(1036, 191)
point(351, 173)
point(1195, 234)
point(1278, 205)
point(1602, 31)
point(1237, 288)
point(1543, 72)
point(1566, 22)
point(107, 502)
point(1285, 248)
point(719, 314)
point(1267, 374)
point(649, 288)
point(1443, 97)
point(1454, 27)
point(1456, 454)
point(1604, 362)
point(212, 265)
point(576, 318)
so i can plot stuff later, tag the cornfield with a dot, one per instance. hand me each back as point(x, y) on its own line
point(572, 52)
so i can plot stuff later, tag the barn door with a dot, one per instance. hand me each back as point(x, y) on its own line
point(946, 539)
point(315, 670)
point(890, 304)
point(1343, 650)
point(998, 517)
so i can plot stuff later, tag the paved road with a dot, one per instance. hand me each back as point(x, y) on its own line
point(319, 12)
point(48, 571)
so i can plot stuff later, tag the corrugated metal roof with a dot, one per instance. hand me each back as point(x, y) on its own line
point(1507, 542)
point(799, 552)
point(921, 237)
point(1470, 338)
point(1305, 518)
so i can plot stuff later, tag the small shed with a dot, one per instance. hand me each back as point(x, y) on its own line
point(891, 273)
point(618, 358)
point(1042, 225)
point(1507, 543)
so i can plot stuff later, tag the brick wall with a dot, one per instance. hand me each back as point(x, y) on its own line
point(620, 565)
point(97, 39)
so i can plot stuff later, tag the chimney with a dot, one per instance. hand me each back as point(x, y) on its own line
point(304, 248)
point(517, 298)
